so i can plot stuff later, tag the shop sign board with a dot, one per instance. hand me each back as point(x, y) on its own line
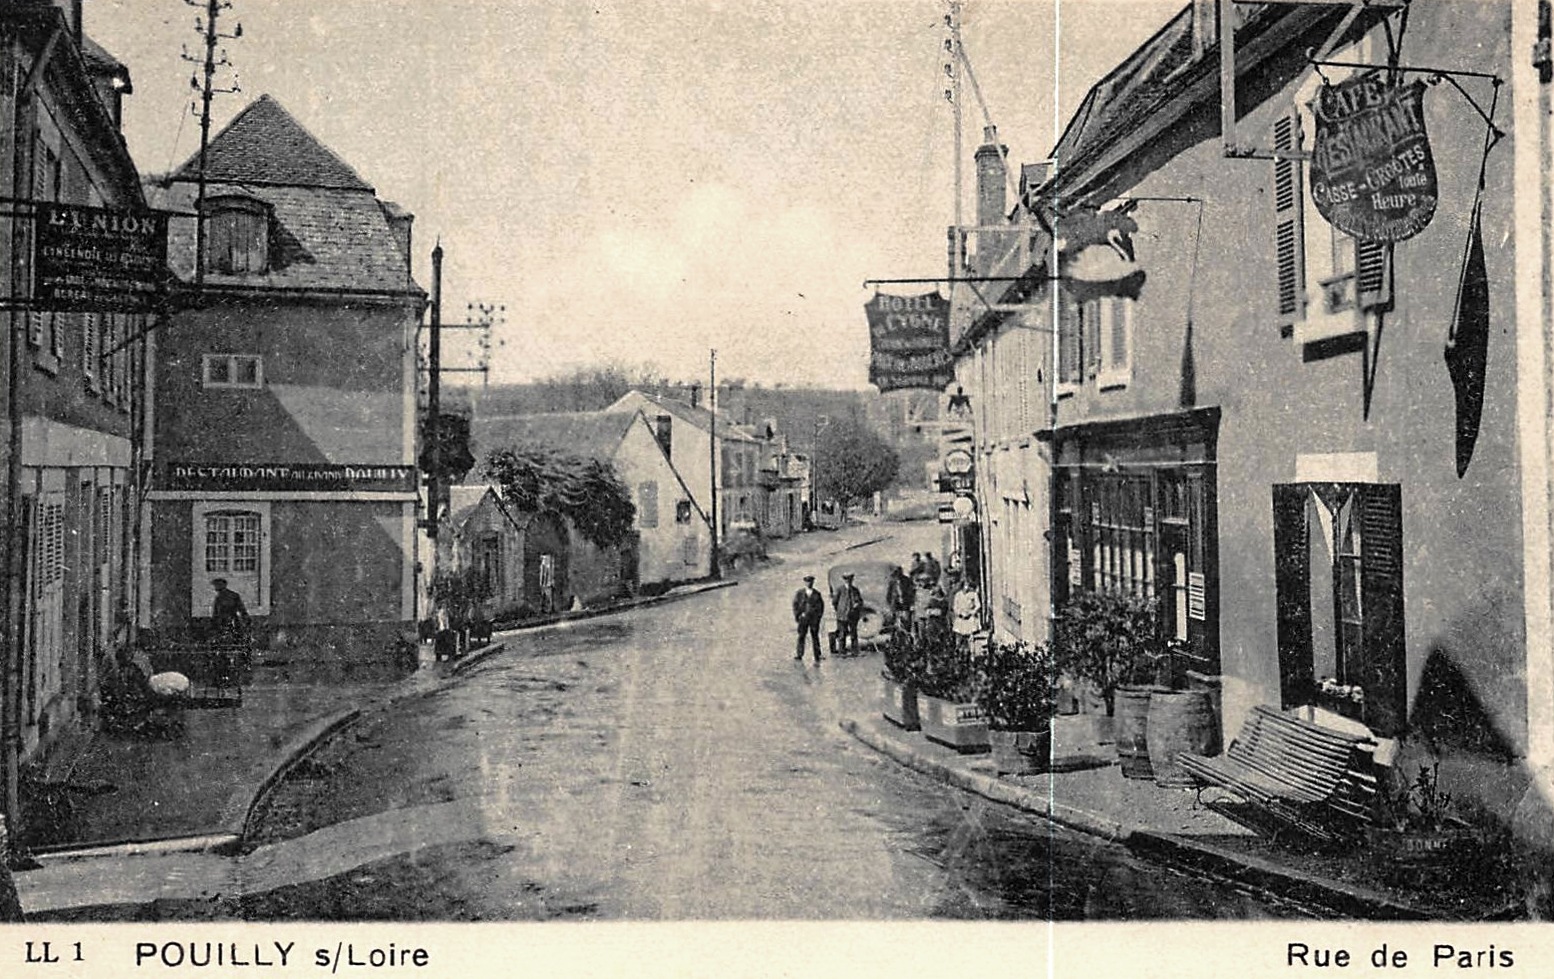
point(909, 342)
point(92, 259)
point(289, 477)
point(1372, 171)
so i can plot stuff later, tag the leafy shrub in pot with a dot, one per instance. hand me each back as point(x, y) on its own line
point(1018, 686)
point(1108, 640)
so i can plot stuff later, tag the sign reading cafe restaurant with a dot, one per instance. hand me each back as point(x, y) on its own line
point(93, 259)
point(909, 342)
point(1372, 174)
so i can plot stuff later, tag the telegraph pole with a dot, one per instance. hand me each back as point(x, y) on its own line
point(207, 90)
point(712, 460)
point(434, 398)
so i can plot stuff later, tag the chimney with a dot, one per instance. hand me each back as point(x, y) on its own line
point(992, 177)
point(663, 431)
point(400, 222)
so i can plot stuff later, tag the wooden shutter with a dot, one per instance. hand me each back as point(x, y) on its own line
point(1068, 341)
point(1292, 589)
point(1289, 199)
point(89, 327)
point(1090, 338)
point(1373, 274)
point(1383, 669)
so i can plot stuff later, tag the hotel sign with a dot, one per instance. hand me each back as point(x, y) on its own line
point(289, 478)
point(1372, 173)
point(95, 260)
point(909, 342)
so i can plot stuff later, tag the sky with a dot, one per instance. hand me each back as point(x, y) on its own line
point(640, 181)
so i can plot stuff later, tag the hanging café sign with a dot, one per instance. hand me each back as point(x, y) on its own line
point(909, 342)
point(92, 259)
point(1372, 174)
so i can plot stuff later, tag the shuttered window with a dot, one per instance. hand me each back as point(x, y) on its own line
point(647, 504)
point(1289, 223)
point(1359, 527)
point(1373, 272)
point(1069, 371)
point(90, 349)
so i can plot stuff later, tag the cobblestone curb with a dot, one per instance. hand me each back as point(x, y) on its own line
point(238, 816)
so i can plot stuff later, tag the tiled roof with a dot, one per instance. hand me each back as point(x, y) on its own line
point(462, 501)
point(692, 414)
point(591, 434)
point(265, 144)
point(322, 238)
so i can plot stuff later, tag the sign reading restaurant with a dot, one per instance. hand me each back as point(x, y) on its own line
point(1372, 173)
point(92, 259)
point(290, 477)
point(909, 342)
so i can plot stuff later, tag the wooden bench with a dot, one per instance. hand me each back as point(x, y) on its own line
point(1292, 774)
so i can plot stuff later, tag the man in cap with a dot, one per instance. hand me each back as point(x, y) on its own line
point(848, 603)
point(809, 607)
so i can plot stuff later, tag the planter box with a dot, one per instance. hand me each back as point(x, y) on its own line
point(898, 702)
point(1022, 752)
point(1426, 859)
point(961, 726)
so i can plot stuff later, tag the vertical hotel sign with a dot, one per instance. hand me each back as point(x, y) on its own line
point(909, 342)
point(1372, 172)
point(92, 259)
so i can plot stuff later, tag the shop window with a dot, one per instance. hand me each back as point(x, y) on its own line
point(1338, 551)
point(233, 370)
point(647, 504)
point(237, 236)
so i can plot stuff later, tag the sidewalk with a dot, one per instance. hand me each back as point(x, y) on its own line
point(1089, 794)
point(165, 816)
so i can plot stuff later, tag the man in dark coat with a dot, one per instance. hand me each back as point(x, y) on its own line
point(228, 616)
point(809, 607)
point(848, 603)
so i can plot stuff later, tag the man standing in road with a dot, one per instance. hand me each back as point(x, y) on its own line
point(900, 595)
point(848, 603)
point(809, 607)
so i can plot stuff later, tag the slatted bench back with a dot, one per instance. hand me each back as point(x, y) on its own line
point(1312, 760)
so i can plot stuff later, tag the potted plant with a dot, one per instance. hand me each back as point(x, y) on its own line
point(948, 694)
point(1418, 838)
point(1105, 639)
point(1018, 695)
point(898, 681)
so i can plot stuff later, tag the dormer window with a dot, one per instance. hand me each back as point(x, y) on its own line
point(237, 236)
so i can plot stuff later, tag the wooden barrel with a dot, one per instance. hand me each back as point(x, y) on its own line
point(1130, 725)
point(1179, 720)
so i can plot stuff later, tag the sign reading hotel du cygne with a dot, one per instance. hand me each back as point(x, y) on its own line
point(92, 259)
point(1372, 173)
point(909, 342)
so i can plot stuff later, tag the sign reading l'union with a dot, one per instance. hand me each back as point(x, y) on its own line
point(1372, 173)
point(96, 260)
point(909, 342)
point(289, 477)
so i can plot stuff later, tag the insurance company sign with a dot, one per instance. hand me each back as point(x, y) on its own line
point(1372, 173)
point(97, 260)
point(909, 342)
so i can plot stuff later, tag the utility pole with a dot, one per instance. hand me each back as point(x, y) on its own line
point(952, 69)
point(434, 399)
point(712, 460)
point(207, 90)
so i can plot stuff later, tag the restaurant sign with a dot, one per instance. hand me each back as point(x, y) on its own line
point(289, 477)
point(909, 342)
point(1372, 173)
point(95, 260)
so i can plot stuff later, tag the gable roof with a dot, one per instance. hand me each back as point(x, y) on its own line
point(691, 414)
point(590, 434)
point(462, 501)
point(265, 144)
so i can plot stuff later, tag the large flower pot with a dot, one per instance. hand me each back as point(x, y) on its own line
point(898, 702)
point(959, 725)
point(1179, 720)
point(1131, 727)
point(1022, 752)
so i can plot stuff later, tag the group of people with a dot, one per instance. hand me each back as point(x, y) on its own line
point(926, 599)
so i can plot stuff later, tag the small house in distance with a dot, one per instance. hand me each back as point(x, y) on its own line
point(674, 540)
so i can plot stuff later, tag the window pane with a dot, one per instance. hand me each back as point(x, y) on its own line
point(218, 370)
point(218, 543)
point(246, 370)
